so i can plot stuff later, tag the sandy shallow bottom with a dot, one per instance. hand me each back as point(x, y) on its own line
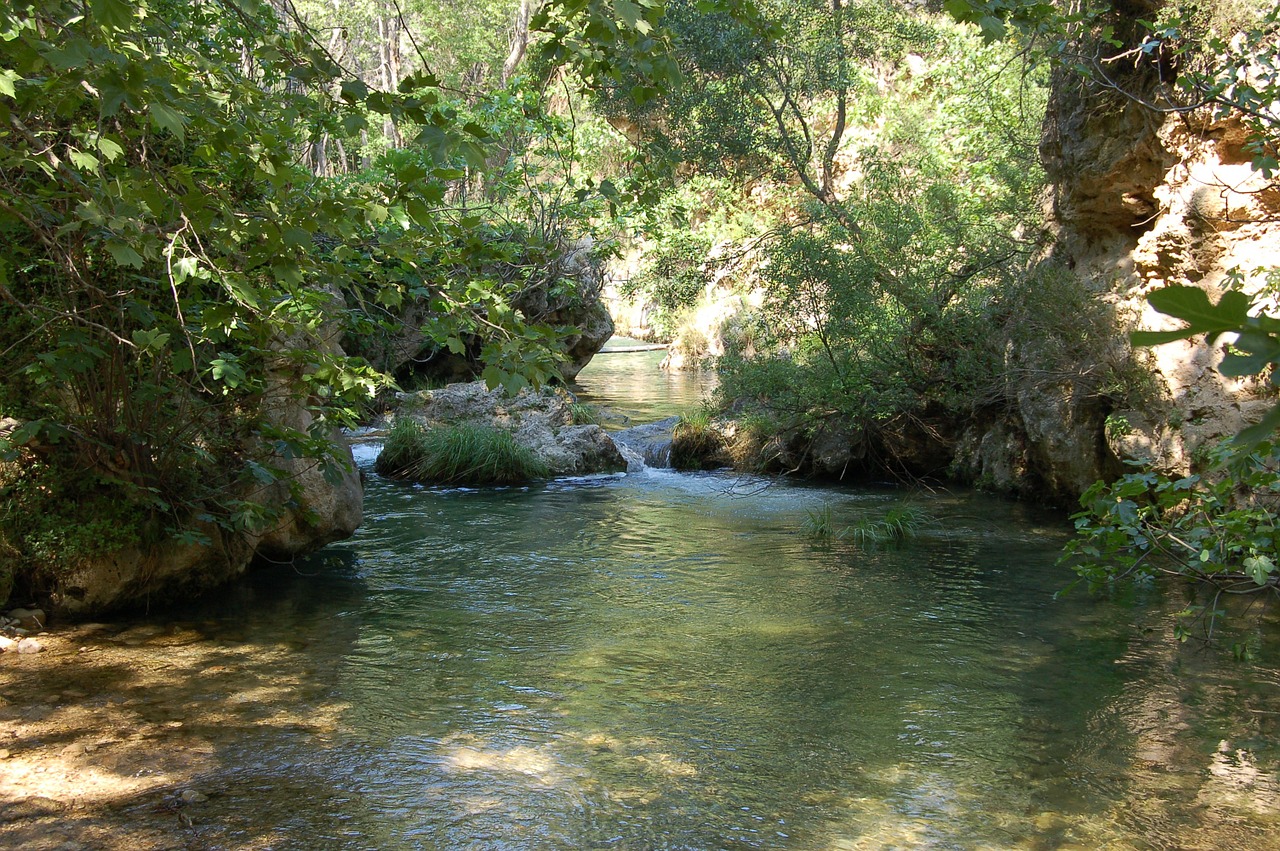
point(120, 736)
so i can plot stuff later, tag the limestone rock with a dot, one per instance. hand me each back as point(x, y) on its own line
point(1140, 201)
point(320, 505)
point(156, 573)
point(32, 620)
point(541, 421)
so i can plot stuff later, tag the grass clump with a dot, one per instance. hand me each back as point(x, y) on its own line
point(584, 413)
point(899, 523)
point(457, 455)
point(696, 444)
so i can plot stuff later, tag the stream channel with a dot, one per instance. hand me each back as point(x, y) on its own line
point(663, 660)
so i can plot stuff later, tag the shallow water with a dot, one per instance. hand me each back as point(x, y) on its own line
point(669, 661)
point(636, 390)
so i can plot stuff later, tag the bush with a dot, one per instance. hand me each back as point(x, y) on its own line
point(457, 455)
point(1218, 529)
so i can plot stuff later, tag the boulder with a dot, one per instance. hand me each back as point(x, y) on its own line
point(539, 420)
point(157, 573)
point(314, 504)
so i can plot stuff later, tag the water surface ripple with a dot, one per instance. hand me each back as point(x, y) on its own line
point(667, 661)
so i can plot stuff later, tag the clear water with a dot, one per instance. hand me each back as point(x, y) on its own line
point(636, 389)
point(668, 661)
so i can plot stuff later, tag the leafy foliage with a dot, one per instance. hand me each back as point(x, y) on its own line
point(174, 273)
point(1218, 528)
point(884, 307)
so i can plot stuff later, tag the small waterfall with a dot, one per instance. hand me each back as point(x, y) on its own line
point(647, 445)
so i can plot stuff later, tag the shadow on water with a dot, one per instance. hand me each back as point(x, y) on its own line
point(658, 661)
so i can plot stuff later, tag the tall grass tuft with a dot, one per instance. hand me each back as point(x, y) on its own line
point(457, 455)
point(695, 442)
point(819, 525)
point(584, 413)
point(898, 524)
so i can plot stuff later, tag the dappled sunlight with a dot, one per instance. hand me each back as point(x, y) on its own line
point(109, 718)
point(521, 759)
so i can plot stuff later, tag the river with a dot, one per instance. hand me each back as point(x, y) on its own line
point(670, 661)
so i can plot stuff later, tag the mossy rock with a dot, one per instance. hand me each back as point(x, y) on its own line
point(460, 454)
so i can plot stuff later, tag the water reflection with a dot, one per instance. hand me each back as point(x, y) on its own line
point(659, 661)
point(635, 388)
point(667, 661)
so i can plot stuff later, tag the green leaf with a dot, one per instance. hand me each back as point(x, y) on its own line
point(124, 254)
point(150, 338)
point(1259, 568)
point(1255, 434)
point(436, 142)
point(109, 148)
point(7, 79)
point(168, 119)
point(354, 122)
point(1256, 350)
point(1159, 338)
point(83, 160)
point(185, 267)
point(493, 376)
point(116, 14)
point(354, 91)
point(1192, 305)
point(992, 27)
point(633, 15)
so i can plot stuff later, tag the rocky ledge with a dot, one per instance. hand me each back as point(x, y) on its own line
point(542, 421)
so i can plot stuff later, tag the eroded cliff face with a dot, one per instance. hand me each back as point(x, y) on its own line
point(1140, 200)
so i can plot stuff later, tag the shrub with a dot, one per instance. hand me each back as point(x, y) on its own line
point(457, 455)
point(1216, 528)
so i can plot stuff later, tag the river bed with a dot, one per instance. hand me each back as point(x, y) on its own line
point(650, 661)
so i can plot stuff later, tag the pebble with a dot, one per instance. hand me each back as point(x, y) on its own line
point(4, 753)
point(29, 645)
point(7, 644)
point(31, 620)
point(191, 796)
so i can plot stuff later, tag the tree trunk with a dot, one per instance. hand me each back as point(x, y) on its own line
point(519, 39)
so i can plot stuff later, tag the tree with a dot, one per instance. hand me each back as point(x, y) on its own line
point(168, 253)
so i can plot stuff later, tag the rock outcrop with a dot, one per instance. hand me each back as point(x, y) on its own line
point(539, 420)
point(310, 504)
point(1140, 200)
